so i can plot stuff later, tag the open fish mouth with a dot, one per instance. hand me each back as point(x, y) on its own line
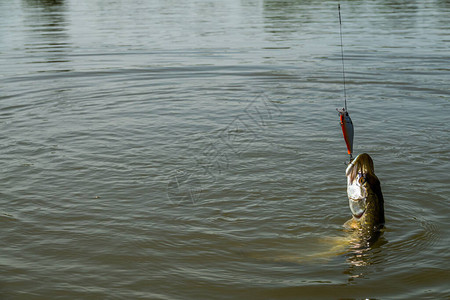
point(357, 173)
point(357, 206)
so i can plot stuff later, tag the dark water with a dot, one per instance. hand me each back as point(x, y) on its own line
point(182, 149)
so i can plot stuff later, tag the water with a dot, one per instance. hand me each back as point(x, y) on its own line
point(168, 150)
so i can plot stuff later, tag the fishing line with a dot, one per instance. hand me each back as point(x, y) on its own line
point(345, 120)
point(342, 56)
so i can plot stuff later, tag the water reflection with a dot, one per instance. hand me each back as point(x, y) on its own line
point(400, 16)
point(47, 39)
point(364, 260)
point(283, 18)
point(44, 3)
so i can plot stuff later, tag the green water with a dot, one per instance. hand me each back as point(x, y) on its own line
point(192, 150)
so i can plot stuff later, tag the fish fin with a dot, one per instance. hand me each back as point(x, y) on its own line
point(351, 224)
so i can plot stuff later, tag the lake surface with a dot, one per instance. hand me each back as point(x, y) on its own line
point(192, 150)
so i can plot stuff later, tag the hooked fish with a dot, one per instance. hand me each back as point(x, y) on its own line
point(365, 199)
point(367, 206)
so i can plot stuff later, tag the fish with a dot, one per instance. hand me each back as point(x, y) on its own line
point(360, 232)
point(365, 200)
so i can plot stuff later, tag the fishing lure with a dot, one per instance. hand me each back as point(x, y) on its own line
point(347, 129)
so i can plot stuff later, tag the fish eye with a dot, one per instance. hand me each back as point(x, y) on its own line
point(361, 179)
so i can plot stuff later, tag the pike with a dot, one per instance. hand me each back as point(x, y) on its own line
point(365, 199)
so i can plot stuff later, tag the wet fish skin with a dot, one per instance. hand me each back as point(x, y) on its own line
point(365, 199)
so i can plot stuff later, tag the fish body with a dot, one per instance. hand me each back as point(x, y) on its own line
point(365, 199)
point(367, 207)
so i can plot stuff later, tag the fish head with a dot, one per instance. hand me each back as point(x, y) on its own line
point(364, 193)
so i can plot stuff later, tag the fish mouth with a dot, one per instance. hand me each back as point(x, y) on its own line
point(360, 164)
point(357, 206)
point(357, 173)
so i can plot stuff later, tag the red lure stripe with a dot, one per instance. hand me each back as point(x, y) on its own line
point(344, 131)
